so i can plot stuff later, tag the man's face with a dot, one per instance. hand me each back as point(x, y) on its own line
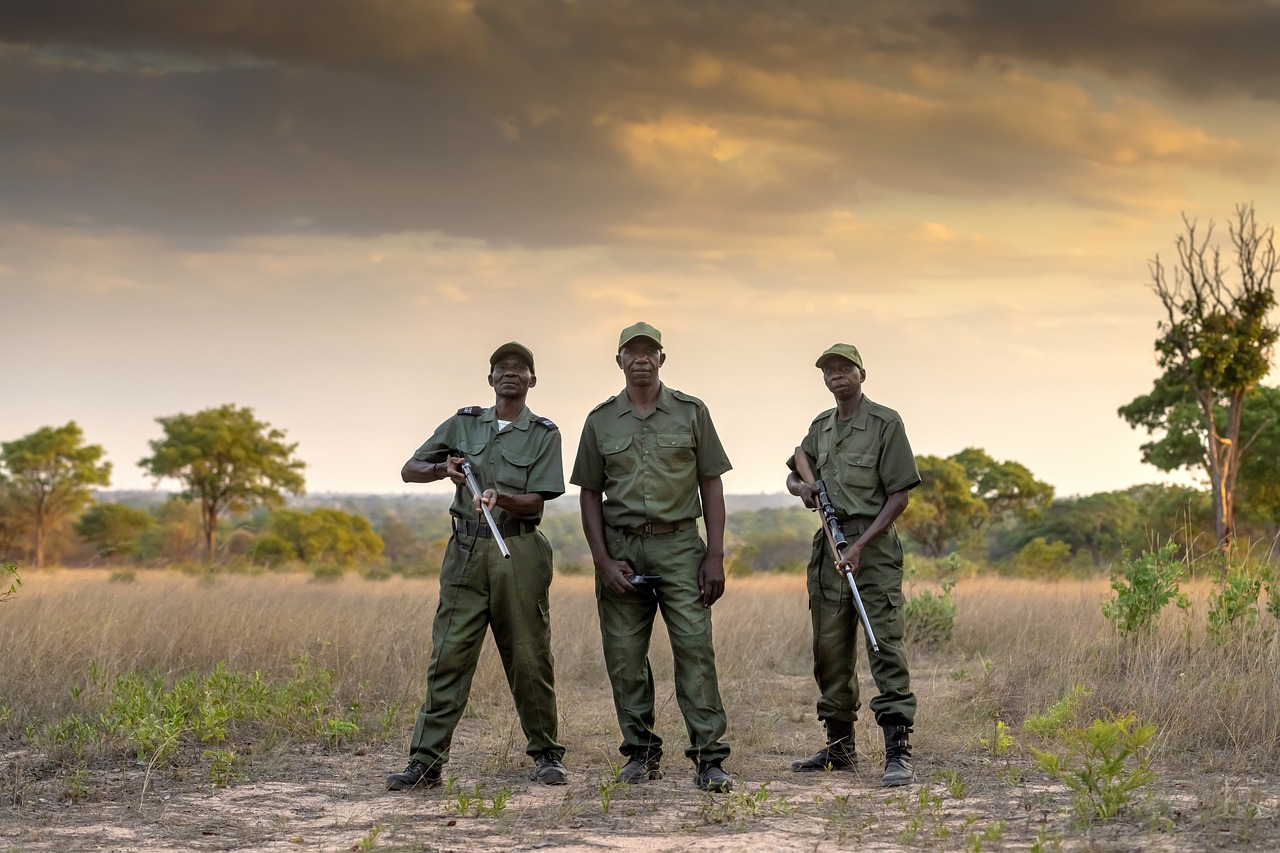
point(511, 377)
point(640, 360)
point(843, 378)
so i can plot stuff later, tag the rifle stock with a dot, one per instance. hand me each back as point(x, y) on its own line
point(835, 536)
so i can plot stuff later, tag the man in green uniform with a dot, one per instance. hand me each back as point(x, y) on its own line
point(649, 464)
point(860, 451)
point(515, 456)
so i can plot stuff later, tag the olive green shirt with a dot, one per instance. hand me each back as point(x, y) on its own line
point(862, 460)
point(521, 459)
point(649, 468)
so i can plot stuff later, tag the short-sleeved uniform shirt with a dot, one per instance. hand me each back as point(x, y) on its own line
point(521, 459)
point(862, 460)
point(649, 467)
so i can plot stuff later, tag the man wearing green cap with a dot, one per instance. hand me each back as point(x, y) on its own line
point(859, 449)
point(515, 456)
point(649, 464)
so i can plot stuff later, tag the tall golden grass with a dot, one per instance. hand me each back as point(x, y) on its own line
point(1019, 647)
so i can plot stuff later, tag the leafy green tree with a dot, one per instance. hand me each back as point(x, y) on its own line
point(1215, 347)
point(1099, 524)
point(113, 529)
point(49, 474)
point(943, 507)
point(226, 459)
point(327, 535)
point(1007, 488)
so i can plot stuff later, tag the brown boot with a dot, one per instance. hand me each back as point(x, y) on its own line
point(838, 754)
point(897, 757)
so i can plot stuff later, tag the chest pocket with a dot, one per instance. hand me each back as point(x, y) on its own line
point(513, 470)
point(675, 451)
point(619, 456)
point(859, 469)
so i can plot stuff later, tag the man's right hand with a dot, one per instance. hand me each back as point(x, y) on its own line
point(615, 575)
point(809, 494)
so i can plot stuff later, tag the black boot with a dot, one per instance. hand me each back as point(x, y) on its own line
point(897, 757)
point(838, 754)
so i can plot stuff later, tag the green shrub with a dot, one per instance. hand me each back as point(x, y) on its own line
point(1143, 587)
point(9, 575)
point(930, 616)
point(1104, 764)
point(1234, 605)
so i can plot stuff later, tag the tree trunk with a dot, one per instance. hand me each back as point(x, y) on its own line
point(210, 518)
point(40, 520)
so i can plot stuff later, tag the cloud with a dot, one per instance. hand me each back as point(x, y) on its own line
point(1199, 47)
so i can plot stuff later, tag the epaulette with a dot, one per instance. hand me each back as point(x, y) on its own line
point(471, 411)
point(605, 403)
point(546, 422)
point(688, 398)
point(822, 417)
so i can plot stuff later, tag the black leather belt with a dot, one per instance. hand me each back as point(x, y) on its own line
point(658, 528)
point(480, 530)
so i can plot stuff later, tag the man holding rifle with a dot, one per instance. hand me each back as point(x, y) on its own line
point(859, 452)
point(505, 463)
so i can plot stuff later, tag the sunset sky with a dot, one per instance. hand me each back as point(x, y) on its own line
point(333, 212)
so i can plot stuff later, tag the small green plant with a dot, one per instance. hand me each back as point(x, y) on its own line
point(1000, 741)
point(956, 787)
point(1053, 720)
point(221, 764)
point(474, 803)
point(1045, 841)
point(930, 616)
point(1273, 596)
point(370, 838)
point(1234, 606)
point(1143, 588)
point(989, 835)
point(9, 575)
point(123, 576)
point(743, 805)
point(607, 790)
point(1105, 764)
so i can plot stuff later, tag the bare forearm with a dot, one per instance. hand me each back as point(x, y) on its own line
point(712, 493)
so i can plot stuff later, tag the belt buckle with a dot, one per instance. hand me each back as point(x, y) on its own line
point(646, 529)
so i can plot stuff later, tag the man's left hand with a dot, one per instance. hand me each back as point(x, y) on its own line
point(711, 579)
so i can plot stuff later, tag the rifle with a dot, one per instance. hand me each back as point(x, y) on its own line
point(835, 536)
point(474, 485)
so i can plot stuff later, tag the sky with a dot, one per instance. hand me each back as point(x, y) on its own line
point(333, 212)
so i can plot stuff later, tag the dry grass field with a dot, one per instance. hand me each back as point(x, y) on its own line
point(1019, 649)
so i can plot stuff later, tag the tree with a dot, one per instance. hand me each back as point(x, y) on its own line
point(1007, 488)
point(327, 536)
point(113, 529)
point(227, 460)
point(1215, 346)
point(48, 474)
point(943, 507)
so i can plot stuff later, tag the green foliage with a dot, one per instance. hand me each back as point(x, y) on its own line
point(226, 459)
point(742, 805)
point(1273, 596)
point(48, 475)
point(1233, 606)
point(1059, 714)
point(113, 529)
point(323, 536)
point(1007, 488)
point(1143, 588)
point(1104, 764)
point(9, 575)
point(151, 718)
point(930, 616)
point(943, 508)
point(1042, 559)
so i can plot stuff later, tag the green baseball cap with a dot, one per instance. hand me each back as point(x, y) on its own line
point(639, 330)
point(848, 351)
point(512, 348)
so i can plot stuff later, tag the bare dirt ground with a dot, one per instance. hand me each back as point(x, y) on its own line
point(309, 798)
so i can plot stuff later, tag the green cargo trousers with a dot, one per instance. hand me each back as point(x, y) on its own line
point(479, 590)
point(626, 626)
point(836, 626)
